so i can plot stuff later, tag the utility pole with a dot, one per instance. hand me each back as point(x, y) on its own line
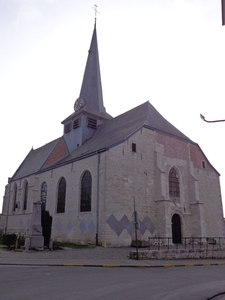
point(223, 23)
point(136, 227)
point(223, 11)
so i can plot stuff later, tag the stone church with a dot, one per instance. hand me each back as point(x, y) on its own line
point(92, 177)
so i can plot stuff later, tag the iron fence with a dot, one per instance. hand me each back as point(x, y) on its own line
point(157, 243)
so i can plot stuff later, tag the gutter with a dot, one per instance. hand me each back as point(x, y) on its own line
point(7, 216)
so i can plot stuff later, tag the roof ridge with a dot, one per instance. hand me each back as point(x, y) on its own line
point(158, 122)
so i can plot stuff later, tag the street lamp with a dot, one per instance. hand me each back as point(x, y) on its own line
point(214, 121)
point(223, 11)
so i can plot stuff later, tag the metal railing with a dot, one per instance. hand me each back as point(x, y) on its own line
point(168, 243)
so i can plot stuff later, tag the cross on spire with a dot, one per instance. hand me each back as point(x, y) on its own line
point(96, 11)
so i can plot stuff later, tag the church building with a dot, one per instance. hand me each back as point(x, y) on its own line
point(92, 177)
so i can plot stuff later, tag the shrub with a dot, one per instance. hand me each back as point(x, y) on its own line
point(9, 239)
point(61, 245)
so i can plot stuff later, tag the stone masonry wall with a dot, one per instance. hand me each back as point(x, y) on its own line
point(120, 178)
point(73, 225)
point(129, 179)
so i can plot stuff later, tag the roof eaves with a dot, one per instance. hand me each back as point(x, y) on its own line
point(86, 155)
point(169, 134)
point(57, 165)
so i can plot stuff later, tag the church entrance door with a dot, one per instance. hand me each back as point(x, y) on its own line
point(176, 229)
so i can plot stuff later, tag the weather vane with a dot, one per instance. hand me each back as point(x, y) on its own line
point(96, 11)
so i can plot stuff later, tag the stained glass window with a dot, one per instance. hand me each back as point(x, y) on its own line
point(86, 183)
point(43, 195)
point(14, 197)
point(61, 196)
point(174, 186)
point(25, 195)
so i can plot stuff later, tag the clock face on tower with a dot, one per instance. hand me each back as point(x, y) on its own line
point(79, 103)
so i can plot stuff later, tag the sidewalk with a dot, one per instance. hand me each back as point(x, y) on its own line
point(112, 258)
point(98, 256)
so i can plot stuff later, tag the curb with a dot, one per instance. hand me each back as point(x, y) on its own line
point(144, 266)
point(114, 265)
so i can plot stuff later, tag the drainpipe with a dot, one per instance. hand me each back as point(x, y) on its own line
point(97, 200)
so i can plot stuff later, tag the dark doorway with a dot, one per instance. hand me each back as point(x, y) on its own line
point(46, 223)
point(176, 229)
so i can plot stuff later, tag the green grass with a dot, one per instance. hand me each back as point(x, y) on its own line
point(60, 245)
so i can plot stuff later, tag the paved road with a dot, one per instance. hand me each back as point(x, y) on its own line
point(46, 275)
point(36, 282)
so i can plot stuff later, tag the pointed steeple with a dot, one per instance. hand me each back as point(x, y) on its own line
point(90, 112)
point(91, 89)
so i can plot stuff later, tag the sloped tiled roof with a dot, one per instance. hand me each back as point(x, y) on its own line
point(109, 134)
point(118, 129)
point(35, 160)
point(157, 122)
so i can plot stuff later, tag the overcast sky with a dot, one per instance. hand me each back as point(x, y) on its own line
point(170, 52)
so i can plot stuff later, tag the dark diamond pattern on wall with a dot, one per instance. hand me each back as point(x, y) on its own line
point(91, 227)
point(58, 225)
point(21, 222)
point(142, 228)
point(112, 221)
point(130, 228)
point(69, 225)
point(148, 224)
point(121, 225)
point(116, 225)
point(125, 223)
point(82, 226)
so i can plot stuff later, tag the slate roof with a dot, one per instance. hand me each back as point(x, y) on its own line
point(111, 133)
point(35, 160)
point(157, 122)
point(91, 88)
point(118, 129)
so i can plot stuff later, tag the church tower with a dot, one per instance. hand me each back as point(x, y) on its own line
point(89, 111)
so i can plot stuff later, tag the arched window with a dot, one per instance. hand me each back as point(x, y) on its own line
point(25, 195)
point(43, 195)
point(61, 196)
point(85, 198)
point(174, 187)
point(15, 197)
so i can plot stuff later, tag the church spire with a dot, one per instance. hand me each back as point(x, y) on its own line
point(91, 88)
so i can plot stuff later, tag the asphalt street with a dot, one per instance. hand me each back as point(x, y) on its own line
point(101, 273)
